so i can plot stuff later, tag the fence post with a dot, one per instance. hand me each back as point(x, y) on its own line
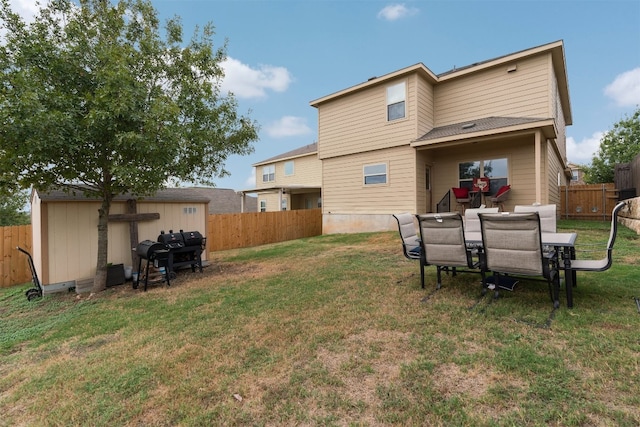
point(604, 203)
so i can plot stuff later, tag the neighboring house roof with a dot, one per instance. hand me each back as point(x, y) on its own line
point(220, 200)
point(298, 152)
point(559, 64)
point(475, 127)
point(225, 200)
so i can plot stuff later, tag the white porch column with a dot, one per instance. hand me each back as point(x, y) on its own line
point(242, 201)
point(538, 166)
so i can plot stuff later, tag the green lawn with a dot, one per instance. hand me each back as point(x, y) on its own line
point(330, 330)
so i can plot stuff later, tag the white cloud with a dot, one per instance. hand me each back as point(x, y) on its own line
point(394, 12)
point(250, 182)
point(246, 82)
point(288, 126)
point(625, 89)
point(27, 9)
point(582, 152)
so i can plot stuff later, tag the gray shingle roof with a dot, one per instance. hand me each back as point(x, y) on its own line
point(479, 125)
point(307, 149)
point(221, 200)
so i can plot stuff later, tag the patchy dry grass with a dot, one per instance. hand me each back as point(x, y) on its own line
point(332, 330)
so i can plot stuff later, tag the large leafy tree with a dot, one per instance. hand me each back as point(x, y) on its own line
point(619, 145)
point(12, 209)
point(99, 97)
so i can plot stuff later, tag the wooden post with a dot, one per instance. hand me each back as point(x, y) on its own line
point(132, 217)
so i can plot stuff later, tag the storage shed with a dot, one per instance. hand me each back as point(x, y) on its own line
point(65, 230)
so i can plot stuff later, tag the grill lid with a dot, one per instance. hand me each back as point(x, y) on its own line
point(147, 248)
point(192, 238)
point(171, 240)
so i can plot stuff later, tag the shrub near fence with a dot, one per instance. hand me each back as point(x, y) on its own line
point(14, 265)
point(241, 230)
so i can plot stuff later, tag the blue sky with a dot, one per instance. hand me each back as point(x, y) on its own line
point(282, 54)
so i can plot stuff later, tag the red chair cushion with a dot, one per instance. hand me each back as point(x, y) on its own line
point(461, 193)
point(502, 190)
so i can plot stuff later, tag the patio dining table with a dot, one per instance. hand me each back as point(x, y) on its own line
point(563, 243)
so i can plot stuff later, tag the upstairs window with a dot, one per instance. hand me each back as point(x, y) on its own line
point(396, 96)
point(375, 174)
point(288, 168)
point(269, 173)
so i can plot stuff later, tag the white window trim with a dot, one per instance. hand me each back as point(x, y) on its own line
point(365, 175)
point(270, 170)
point(388, 103)
point(293, 168)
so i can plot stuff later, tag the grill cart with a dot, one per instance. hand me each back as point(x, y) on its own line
point(35, 292)
point(154, 253)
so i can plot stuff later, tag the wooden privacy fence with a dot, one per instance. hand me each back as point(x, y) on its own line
point(224, 231)
point(241, 230)
point(14, 265)
point(593, 201)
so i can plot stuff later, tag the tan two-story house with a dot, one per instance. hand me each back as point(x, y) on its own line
point(289, 181)
point(400, 142)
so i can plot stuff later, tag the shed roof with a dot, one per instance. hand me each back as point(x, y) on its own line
point(220, 200)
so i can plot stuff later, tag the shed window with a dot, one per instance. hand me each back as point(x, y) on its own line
point(189, 210)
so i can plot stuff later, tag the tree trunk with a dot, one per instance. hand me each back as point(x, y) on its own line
point(100, 279)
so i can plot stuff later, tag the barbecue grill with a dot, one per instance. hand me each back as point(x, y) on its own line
point(155, 253)
point(185, 249)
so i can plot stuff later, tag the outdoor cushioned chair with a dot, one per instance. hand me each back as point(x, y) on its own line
point(471, 220)
point(410, 240)
point(547, 215)
point(606, 262)
point(443, 245)
point(462, 197)
point(512, 245)
point(501, 196)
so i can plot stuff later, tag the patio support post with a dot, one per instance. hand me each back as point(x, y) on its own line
point(538, 166)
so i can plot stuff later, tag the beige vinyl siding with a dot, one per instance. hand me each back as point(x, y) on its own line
point(306, 171)
point(358, 123)
point(495, 92)
point(345, 193)
point(273, 201)
point(72, 235)
point(555, 167)
point(424, 107)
